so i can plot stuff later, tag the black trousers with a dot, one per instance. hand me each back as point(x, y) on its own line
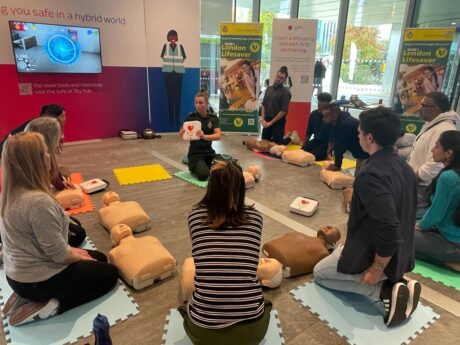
point(77, 233)
point(317, 148)
point(200, 166)
point(275, 132)
point(79, 283)
point(173, 82)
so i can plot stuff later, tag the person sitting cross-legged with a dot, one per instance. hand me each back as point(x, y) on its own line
point(438, 236)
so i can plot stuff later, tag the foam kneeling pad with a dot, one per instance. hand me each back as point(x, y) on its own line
point(70, 198)
point(336, 179)
point(142, 261)
point(297, 252)
point(126, 212)
point(347, 194)
point(298, 157)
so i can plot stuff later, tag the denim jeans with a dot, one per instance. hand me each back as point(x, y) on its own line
point(432, 246)
point(326, 275)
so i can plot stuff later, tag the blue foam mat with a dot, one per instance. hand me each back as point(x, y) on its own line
point(174, 333)
point(352, 316)
point(76, 323)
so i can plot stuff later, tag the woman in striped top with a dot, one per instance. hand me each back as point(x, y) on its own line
point(227, 306)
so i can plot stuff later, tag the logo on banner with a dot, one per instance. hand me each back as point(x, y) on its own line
point(410, 34)
point(238, 122)
point(441, 52)
point(411, 127)
point(254, 47)
point(224, 29)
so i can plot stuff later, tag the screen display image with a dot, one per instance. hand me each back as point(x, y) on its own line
point(46, 48)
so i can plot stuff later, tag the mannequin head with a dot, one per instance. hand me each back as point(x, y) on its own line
point(118, 232)
point(256, 171)
point(109, 198)
point(270, 272)
point(330, 234)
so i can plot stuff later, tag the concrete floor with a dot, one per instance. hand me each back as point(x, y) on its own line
point(169, 201)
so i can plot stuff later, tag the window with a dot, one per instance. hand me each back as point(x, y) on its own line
point(327, 14)
point(371, 46)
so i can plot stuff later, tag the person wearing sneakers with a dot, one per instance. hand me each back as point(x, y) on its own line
point(438, 236)
point(274, 111)
point(47, 276)
point(379, 247)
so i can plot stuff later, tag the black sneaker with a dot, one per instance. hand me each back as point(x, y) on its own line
point(415, 288)
point(394, 298)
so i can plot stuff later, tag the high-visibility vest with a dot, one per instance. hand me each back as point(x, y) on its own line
point(173, 61)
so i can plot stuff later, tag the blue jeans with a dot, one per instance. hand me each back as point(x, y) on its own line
point(326, 275)
point(432, 246)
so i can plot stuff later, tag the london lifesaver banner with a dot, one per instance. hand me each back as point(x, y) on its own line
point(240, 55)
point(423, 62)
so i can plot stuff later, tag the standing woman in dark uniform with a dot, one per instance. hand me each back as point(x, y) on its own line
point(200, 152)
point(173, 55)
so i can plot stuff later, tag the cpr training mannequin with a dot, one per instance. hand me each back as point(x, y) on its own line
point(335, 179)
point(299, 253)
point(141, 261)
point(258, 145)
point(269, 272)
point(298, 157)
point(116, 212)
point(252, 175)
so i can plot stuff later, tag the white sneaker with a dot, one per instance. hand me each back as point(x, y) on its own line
point(33, 311)
point(13, 303)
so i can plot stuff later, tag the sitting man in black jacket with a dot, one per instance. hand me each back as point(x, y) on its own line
point(343, 136)
point(379, 247)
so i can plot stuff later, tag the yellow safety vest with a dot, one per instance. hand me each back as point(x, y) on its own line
point(173, 61)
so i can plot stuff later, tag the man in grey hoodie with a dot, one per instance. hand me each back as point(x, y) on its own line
point(434, 109)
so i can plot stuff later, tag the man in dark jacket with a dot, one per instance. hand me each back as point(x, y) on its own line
point(379, 247)
point(343, 136)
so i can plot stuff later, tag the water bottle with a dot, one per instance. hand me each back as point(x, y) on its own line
point(101, 330)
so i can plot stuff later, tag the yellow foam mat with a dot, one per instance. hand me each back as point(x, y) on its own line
point(143, 173)
point(346, 163)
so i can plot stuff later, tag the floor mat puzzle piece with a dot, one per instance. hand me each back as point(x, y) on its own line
point(88, 206)
point(186, 176)
point(353, 317)
point(438, 273)
point(346, 163)
point(72, 325)
point(174, 333)
point(143, 173)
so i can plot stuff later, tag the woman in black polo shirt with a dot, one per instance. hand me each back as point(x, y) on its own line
point(200, 152)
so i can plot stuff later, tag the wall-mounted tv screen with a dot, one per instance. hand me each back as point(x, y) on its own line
point(46, 48)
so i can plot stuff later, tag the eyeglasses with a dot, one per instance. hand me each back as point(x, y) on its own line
point(225, 161)
point(427, 105)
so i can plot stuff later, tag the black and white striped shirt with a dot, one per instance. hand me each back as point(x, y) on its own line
point(227, 289)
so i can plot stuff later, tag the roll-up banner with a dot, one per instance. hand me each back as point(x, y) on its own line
point(293, 46)
point(423, 62)
point(240, 54)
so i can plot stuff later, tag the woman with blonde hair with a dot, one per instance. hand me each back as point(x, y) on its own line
point(200, 153)
point(227, 306)
point(47, 276)
point(50, 128)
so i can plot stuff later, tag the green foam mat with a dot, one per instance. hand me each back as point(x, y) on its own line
point(438, 273)
point(186, 176)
